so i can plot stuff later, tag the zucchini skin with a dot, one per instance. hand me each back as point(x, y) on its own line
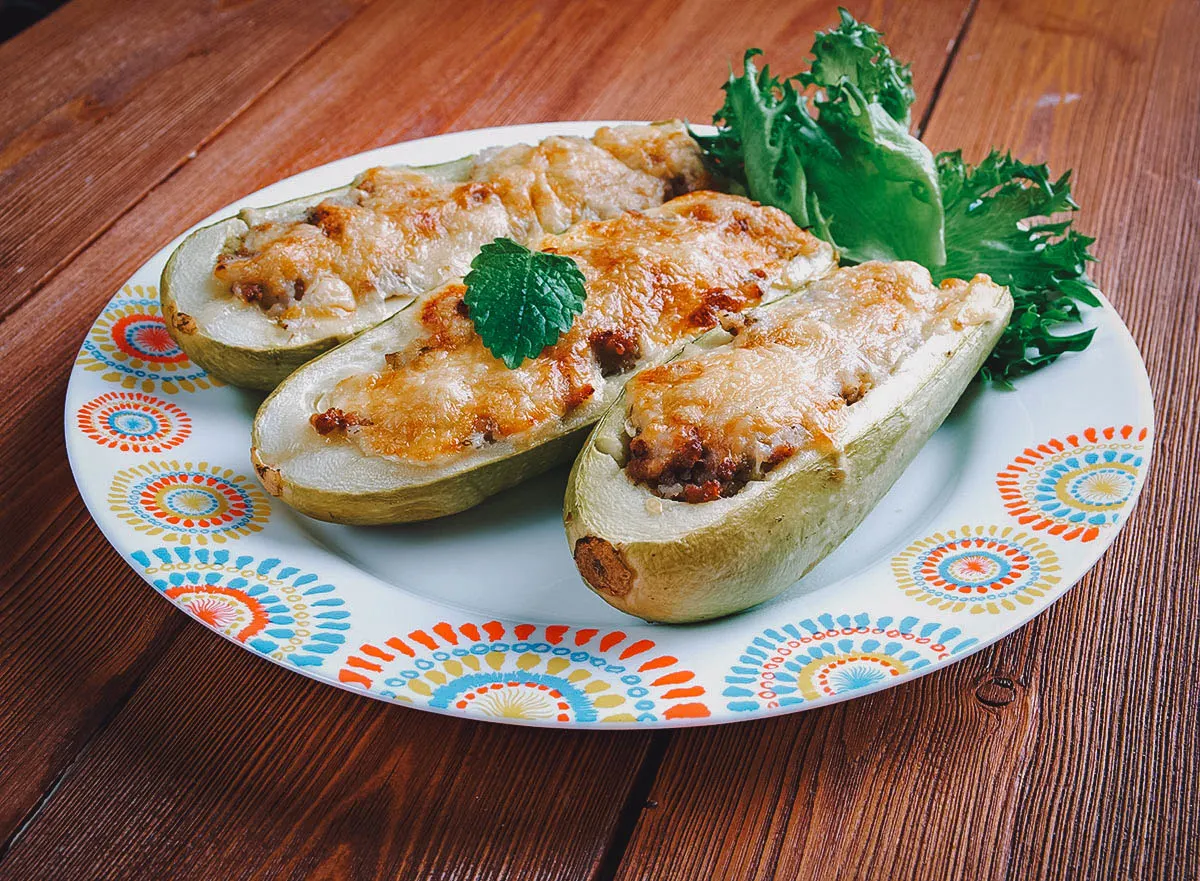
point(424, 501)
point(692, 567)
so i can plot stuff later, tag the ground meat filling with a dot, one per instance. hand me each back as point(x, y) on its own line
point(334, 421)
point(404, 232)
point(615, 349)
point(701, 428)
point(654, 279)
point(694, 472)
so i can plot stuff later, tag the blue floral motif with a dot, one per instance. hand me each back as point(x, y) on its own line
point(819, 659)
point(277, 610)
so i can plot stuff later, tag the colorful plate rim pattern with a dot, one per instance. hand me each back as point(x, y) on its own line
point(1049, 475)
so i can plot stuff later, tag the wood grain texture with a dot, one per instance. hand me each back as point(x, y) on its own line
point(1113, 791)
point(222, 766)
point(105, 100)
point(136, 745)
point(1068, 750)
point(75, 621)
point(305, 120)
point(884, 786)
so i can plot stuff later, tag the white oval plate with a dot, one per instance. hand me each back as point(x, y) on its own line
point(483, 614)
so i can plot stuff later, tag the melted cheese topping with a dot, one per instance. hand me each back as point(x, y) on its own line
point(653, 279)
point(401, 231)
point(702, 426)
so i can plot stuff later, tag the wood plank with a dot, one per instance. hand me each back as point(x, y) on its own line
point(39, 338)
point(1069, 749)
point(1115, 788)
point(222, 766)
point(78, 630)
point(104, 100)
point(847, 791)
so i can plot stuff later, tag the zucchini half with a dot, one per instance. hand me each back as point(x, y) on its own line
point(673, 561)
point(339, 483)
point(237, 341)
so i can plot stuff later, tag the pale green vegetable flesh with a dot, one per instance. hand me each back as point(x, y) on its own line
point(673, 561)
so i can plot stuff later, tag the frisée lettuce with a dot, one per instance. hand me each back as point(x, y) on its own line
point(997, 223)
point(831, 147)
point(848, 168)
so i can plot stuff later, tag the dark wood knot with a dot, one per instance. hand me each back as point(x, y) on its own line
point(999, 691)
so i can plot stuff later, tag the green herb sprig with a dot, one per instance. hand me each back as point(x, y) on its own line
point(521, 301)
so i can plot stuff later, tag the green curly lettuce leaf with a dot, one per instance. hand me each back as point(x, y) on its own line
point(880, 194)
point(761, 130)
point(847, 167)
point(855, 53)
point(997, 222)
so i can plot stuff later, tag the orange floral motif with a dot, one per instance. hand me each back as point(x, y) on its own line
point(129, 345)
point(133, 422)
point(1075, 488)
point(188, 503)
point(984, 569)
point(556, 674)
point(221, 608)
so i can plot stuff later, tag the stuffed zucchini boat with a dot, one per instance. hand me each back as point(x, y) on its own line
point(253, 297)
point(416, 419)
point(720, 478)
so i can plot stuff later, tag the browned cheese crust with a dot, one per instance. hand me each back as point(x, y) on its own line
point(653, 279)
point(703, 426)
point(402, 231)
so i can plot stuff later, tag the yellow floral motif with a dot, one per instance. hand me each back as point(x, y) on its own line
point(521, 696)
point(981, 568)
point(130, 346)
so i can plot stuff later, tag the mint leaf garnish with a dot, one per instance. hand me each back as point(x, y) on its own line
point(521, 301)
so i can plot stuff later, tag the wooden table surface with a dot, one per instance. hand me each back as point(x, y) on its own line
point(135, 744)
